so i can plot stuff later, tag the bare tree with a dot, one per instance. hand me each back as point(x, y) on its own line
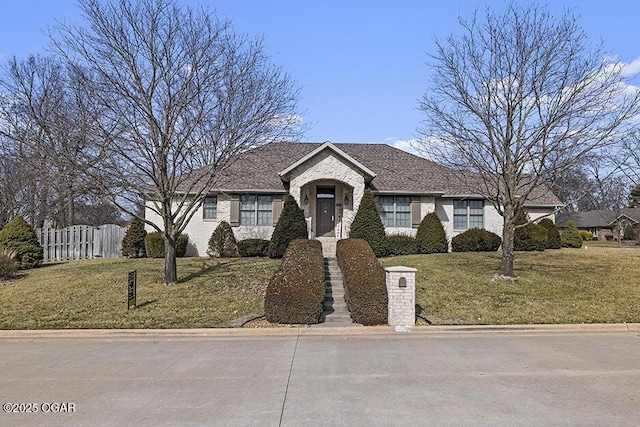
point(47, 131)
point(180, 95)
point(590, 185)
point(517, 96)
point(628, 158)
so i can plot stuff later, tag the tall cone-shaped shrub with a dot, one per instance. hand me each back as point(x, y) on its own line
point(291, 225)
point(431, 235)
point(553, 235)
point(571, 237)
point(133, 241)
point(367, 225)
point(18, 237)
point(222, 242)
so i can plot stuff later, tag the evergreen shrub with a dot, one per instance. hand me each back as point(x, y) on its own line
point(587, 235)
point(553, 235)
point(570, 237)
point(253, 248)
point(133, 241)
point(154, 245)
point(295, 293)
point(403, 245)
point(222, 243)
point(476, 240)
point(368, 226)
point(364, 282)
point(291, 225)
point(530, 236)
point(629, 233)
point(18, 237)
point(431, 235)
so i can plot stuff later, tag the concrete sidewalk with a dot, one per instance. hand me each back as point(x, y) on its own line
point(135, 334)
point(520, 375)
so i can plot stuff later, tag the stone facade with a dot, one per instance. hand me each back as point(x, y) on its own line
point(401, 289)
point(327, 169)
point(343, 179)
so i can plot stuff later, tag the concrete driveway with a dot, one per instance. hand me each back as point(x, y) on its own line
point(352, 377)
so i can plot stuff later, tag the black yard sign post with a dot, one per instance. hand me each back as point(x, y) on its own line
point(131, 289)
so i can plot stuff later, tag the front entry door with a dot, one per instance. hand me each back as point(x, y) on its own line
point(326, 217)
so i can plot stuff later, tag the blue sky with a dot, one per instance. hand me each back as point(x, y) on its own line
point(361, 64)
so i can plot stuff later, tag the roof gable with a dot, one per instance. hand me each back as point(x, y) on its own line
point(368, 173)
point(623, 216)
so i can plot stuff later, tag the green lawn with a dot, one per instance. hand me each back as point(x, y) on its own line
point(93, 294)
point(594, 285)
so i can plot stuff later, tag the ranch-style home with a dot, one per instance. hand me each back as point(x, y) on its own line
point(603, 224)
point(328, 181)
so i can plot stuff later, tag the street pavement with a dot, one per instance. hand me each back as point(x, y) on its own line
point(465, 376)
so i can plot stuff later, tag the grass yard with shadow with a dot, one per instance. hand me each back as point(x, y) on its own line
point(600, 284)
point(594, 285)
point(93, 294)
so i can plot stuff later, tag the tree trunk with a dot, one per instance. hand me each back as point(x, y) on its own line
point(71, 212)
point(508, 231)
point(170, 264)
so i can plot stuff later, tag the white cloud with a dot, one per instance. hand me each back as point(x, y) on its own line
point(408, 145)
point(631, 69)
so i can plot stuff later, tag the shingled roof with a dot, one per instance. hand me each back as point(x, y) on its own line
point(597, 218)
point(396, 171)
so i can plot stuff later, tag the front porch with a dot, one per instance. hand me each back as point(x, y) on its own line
point(328, 185)
point(328, 207)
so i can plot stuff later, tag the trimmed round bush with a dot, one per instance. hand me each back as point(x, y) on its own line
point(570, 237)
point(154, 245)
point(528, 236)
point(368, 226)
point(291, 225)
point(133, 241)
point(587, 235)
point(431, 235)
point(253, 248)
point(403, 245)
point(553, 235)
point(295, 293)
point(364, 282)
point(531, 237)
point(19, 238)
point(476, 240)
point(181, 245)
point(222, 243)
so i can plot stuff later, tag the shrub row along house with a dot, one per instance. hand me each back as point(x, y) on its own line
point(328, 181)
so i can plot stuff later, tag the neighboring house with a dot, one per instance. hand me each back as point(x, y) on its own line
point(328, 181)
point(603, 224)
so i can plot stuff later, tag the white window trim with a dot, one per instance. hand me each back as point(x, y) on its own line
point(204, 212)
point(256, 210)
point(395, 211)
point(468, 214)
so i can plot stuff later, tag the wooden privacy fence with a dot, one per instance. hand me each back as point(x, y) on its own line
point(81, 242)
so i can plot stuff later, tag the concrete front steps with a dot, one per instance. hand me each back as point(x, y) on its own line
point(328, 246)
point(335, 312)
